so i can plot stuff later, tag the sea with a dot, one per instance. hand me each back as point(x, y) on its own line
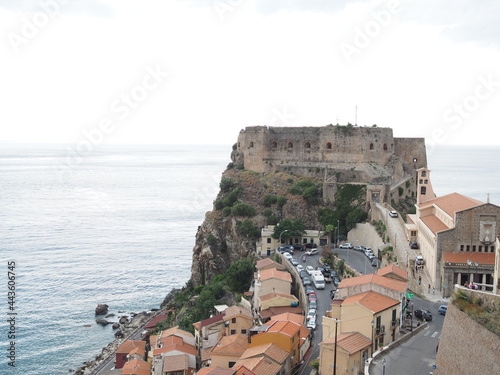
point(117, 225)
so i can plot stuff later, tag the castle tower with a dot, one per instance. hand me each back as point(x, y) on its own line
point(425, 192)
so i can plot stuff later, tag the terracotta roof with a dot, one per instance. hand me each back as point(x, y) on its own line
point(273, 351)
point(169, 340)
point(155, 320)
point(393, 269)
point(136, 367)
point(386, 282)
point(266, 262)
point(214, 371)
point(286, 328)
point(463, 256)
point(433, 223)
point(287, 316)
point(233, 311)
point(130, 345)
point(176, 331)
point(268, 296)
point(373, 301)
point(275, 310)
point(242, 370)
point(273, 273)
point(212, 320)
point(205, 354)
point(304, 334)
point(452, 203)
point(184, 348)
point(176, 363)
point(232, 345)
point(138, 350)
point(259, 366)
point(352, 342)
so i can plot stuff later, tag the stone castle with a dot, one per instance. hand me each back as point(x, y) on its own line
point(338, 154)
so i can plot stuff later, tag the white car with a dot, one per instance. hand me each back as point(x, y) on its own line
point(300, 267)
point(310, 270)
point(393, 213)
point(311, 315)
point(311, 324)
point(312, 252)
point(288, 256)
point(346, 245)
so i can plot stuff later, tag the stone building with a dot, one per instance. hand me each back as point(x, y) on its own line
point(338, 154)
point(456, 235)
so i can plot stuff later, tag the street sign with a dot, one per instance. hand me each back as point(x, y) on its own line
point(409, 295)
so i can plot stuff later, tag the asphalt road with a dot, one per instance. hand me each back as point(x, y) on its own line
point(356, 259)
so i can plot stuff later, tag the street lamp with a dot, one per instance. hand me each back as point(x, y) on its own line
point(469, 263)
point(411, 317)
point(286, 230)
point(475, 274)
point(383, 364)
point(338, 233)
point(373, 342)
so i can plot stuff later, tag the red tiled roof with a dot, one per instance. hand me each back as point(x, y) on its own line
point(176, 331)
point(177, 363)
point(155, 320)
point(233, 311)
point(268, 296)
point(275, 310)
point(273, 273)
point(393, 269)
point(169, 340)
point(273, 351)
point(136, 367)
point(233, 345)
point(433, 223)
point(286, 328)
point(212, 320)
point(452, 203)
point(386, 282)
point(287, 316)
point(259, 366)
point(463, 256)
point(184, 348)
point(373, 301)
point(352, 342)
point(266, 262)
point(129, 345)
point(214, 371)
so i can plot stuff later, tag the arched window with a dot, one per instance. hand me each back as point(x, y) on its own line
point(251, 145)
point(424, 173)
point(274, 145)
point(423, 190)
point(420, 181)
point(385, 146)
point(329, 146)
point(371, 146)
point(307, 145)
point(238, 144)
point(426, 181)
point(290, 145)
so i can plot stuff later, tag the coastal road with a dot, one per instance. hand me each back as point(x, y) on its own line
point(417, 355)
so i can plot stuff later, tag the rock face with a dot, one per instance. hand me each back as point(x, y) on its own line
point(101, 309)
point(102, 321)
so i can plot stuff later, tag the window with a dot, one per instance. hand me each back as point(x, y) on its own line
point(328, 146)
point(290, 145)
point(426, 181)
point(233, 320)
point(423, 190)
point(307, 145)
point(371, 146)
point(413, 233)
point(474, 248)
point(244, 331)
point(393, 315)
point(424, 173)
point(250, 145)
point(480, 249)
point(274, 145)
point(231, 364)
point(467, 248)
point(379, 320)
point(233, 332)
point(461, 247)
point(269, 240)
point(385, 146)
point(420, 181)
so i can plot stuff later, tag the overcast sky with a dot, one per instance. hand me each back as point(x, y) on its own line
point(151, 71)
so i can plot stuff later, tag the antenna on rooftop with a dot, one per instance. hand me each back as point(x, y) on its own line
point(488, 198)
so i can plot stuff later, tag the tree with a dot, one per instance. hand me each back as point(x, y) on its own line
point(247, 229)
point(226, 184)
point(243, 209)
point(295, 228)
point(239, 275)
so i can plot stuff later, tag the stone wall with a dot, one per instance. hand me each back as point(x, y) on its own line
point(466, 347)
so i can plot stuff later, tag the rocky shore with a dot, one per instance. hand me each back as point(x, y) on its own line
point(123, 333)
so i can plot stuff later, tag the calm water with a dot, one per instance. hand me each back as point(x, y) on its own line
point(119, 228)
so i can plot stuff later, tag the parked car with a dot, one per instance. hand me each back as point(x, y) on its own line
point(311, 324)
point(311, 315)
point(423, 314)
point(309, 289)
point(368, 252)
point(298, 247)
point(303, 274)
point(442, 309)
point(312, 296)
point(358, 248)
point(312, 252)
point(313, 305)
point(336, 280)
point(299, 268)
point(286, 249)
point(306, 281)
point(413, 245)
point(371, 257)
point(374, 262)
point(294, 261)
point(288, 256)
point(310, 245)
point(419, 260)
point(310, 269)
point(393, 213)
point(346, 245)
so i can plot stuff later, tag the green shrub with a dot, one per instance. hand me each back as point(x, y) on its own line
point(269, 200)
point(211, 240)
point(267, 212)
point(230, 165)
point(226, 184)
point(281, 201)
point(401, 191)
point(226, 211)
point(243, 209)
point(219, 205)
point(247, 229)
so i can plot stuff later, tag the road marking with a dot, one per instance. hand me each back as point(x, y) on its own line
point(426, 333)
point(434, 334)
